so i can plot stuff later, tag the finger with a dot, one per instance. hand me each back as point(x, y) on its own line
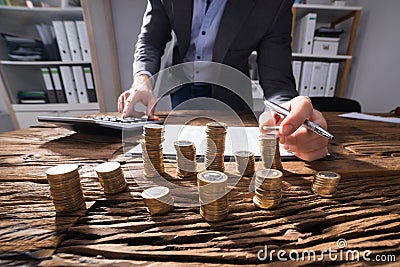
point(150, 109)
point(122, 100)
point(314, 144)
point(313, 155)
point(130, 103)
point(300, 136)
point(300, 109)
point(319, 119)
point(120, 104)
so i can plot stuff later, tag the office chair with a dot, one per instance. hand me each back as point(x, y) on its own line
point(335, 104)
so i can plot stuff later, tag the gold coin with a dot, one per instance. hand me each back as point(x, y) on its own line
point(155, 192)
point(269, 173)
point(62, 170)
point(108, 167)
point(265, 205)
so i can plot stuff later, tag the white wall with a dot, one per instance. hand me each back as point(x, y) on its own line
point(127, 19)
point(375, 73)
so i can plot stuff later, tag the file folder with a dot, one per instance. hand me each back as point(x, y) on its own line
point(50, 93)
point(306, 78)
point(331, 80)
point(69, 85)
point(296, 66)
point(318, 78)
point(91, 91)
point(83, 40)
point(304, 34)
point(55, 75)
point(73, 41)
point(80, 84)
point(322, 78)
point(62, 41)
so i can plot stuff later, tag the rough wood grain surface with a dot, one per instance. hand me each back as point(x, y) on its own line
point(117, 230)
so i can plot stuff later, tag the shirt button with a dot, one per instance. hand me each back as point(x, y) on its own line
point(203, 32)
point(198, 57)
point(197, 72)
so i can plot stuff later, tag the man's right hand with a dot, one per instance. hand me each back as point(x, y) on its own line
point(140, 92)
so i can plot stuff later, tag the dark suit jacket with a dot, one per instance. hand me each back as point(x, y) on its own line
point(246, 26)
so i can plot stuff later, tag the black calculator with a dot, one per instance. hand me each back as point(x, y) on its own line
point(100, 124)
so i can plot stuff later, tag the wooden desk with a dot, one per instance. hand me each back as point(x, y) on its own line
point(117, 230)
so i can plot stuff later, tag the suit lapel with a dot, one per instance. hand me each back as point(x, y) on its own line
point(235, 13)
point(183, 10)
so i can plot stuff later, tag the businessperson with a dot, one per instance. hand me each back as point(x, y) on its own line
point(227, 32)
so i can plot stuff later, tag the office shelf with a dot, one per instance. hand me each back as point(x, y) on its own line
point(26, 114)
point(42, 63)
point(326, 13)
point(331, 16)
point(32, 16)
point(324, 57)
point(26, 75)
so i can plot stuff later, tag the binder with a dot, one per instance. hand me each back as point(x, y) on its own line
point(69, 85)
point(50, 93)
point(296, 66)
point(55, 75)
point(304, 34)
point(315, 73)
point(306, 78)
point(83, 40)
point(322, 78)
point(318, 78)
point(62, 41)
point(91, 92)
point(331, 80)
point(80, 84)
point(73, 41)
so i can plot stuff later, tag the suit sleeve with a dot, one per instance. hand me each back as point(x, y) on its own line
point(274, 58)
point(154, 35)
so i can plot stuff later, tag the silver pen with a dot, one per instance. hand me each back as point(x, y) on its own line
point(307, 124)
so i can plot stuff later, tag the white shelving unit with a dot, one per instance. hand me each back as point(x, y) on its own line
point(326, 13)
point(41, 63)
point(27, 113)
point(332, 16)
point(26, 75)
point(313, 56)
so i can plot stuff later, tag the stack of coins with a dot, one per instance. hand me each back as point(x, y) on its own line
point(111, 177)
point(215, 146)
point(185, 158)
point(213, 195)
point(245, 162)
point(268, 186)
point(158, 200)
point(325, 183)
point(65, 187)
point(153, 136)
point(270, 154)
